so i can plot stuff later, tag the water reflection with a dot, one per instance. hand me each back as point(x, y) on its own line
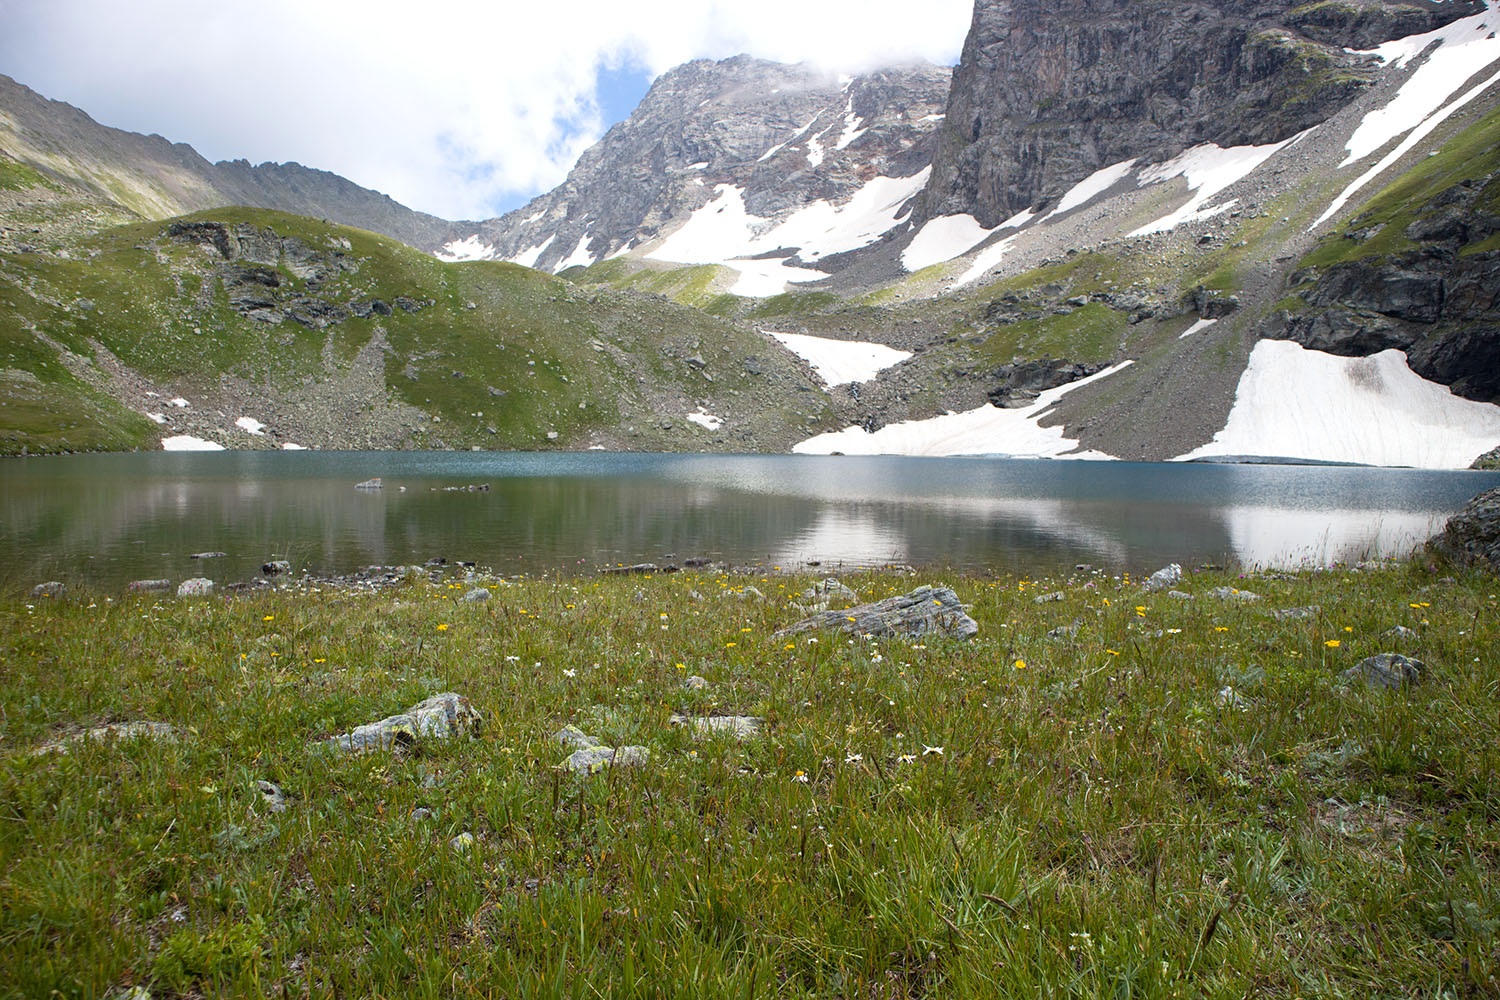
point(112, 518)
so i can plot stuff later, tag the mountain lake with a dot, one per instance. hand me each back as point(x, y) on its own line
point(104, 520)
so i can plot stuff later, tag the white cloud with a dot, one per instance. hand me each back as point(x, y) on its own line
point(448, 107)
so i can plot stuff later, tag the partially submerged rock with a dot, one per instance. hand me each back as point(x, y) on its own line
point(276, 567)
point(1168, 576)
point(1472, 536)
point(198, 586)
point(443, 716)
point(923, 612)
point(639, 569)
point(208, 555)
point(741, 727)
point(369, 484)
point(1387, 670)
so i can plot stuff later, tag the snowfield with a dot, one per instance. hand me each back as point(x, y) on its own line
point(468, 248)
point(839, 362)
point(186, 442)
point(987, 430)
point(250, 425)
point(1209, 169)
point(942, 239)
point(528, 258)
point(1296, 403)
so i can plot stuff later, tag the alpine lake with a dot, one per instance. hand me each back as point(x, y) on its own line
point(105, 520)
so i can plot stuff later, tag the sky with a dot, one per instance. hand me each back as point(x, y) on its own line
point(461, 108)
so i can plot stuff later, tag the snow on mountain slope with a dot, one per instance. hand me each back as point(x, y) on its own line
point(986, 430)
point(1296, 403)
point(1208, 170)
point(839, 362)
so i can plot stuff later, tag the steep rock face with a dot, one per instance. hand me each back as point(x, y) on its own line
point(785, 136)
point(1048, 91)
point(1439, 300)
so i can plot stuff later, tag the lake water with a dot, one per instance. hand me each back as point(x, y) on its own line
point(108, 519)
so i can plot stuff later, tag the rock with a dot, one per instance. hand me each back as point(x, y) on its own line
point(825, 592)
point(1400, 632)
point(1056, 595)
point(476, 596)
point(1211, 304)
point(741, 727)
point(1296, 614)
point(149, 586)
point(1021, 382)
point(696, 683)
point(1472, 536)
point(592, 760)
point(198, 586)
point(272, 795)
point(1489, 460)
point(443, 716)
point(638, 569)
point(923, 612)
point(1064, 631)
point(113, 732)
point(419, 814)
point(52, 588)
point(276, 567)
point(462, 843)
point(369, 484)
point(1168, 576)
point(1178, 595)
point(208, 555)
point(572, 736)
point(1230, 698)
point(1388, 670)
point(1232, 594)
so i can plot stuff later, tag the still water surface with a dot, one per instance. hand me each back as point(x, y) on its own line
point(108, 519)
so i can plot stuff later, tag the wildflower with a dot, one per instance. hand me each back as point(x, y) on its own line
point(789, 645)
point(744, 630)
point(927, 750)
point(443, 627)
point(268, 618)
point(853, 758)
point(1140, 607)
point(570, 673)
point(813, 641)
point(512, 659)
point(1173, 631)
point(662, 616)
point(682, 666)
point(1113, 652)
point(1221, 628)
point(800, 776)
point(1332, 644)
point(728, 644)
point(320, 659)
point(907, 758)
point(1020, 664)
point(1348, 628)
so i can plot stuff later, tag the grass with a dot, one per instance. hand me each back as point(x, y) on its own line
point(1177, 800)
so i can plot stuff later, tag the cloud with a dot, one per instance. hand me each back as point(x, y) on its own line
point(456, 108)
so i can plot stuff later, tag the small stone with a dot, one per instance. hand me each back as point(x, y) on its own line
point(198, 586)
point(149, 586)
point(1296, 614)
point(592, 760)
point(1083, 568)
point(208, 555)
point(1056, 595)
point(276, 567)
point(272, 795)
point(419, 814)
point(463, 842)
point(1178, 595)
point(443, 716)
point(477, 595)
point(1400, 632)
point(1387, 670)
point(572, 736)
point(1233, 594)
point(741, 727)
point(696, 683)
point(1167, 576)
point(820, 595)
point(1230, 698)
point(52, 588)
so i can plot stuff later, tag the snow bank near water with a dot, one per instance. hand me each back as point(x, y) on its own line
point(1296, 403)
point(186, 442)
point(987, 430)
point(839, 362)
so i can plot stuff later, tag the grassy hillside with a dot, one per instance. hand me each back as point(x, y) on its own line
point(336, 337)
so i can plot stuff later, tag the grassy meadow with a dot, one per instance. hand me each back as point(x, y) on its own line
point(1176, 798)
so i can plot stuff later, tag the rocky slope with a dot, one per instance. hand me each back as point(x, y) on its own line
point(119, 175)
point(780, 137)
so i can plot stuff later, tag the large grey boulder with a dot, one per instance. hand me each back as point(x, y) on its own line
point(198, 586)
point(441, 717)
point(1165, 578)
point(1387, 670)
point(924, 612)
point(1472, 536)
point(741, 727)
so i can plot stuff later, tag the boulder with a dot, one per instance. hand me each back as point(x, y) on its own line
point(476, 596)
point(592, 760)
point(52, 588)
point(825, 592)
point(1233, 594)
point(1387, 670)
point(441, 717)
point(149, 586)
point(1472, 536)
point(276, 567)
point(198, 586)
point(1489, 460)
point(924, 612)
point(741, 727)
point(1164, 578)
point(272, 795)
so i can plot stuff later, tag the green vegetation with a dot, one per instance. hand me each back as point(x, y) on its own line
point(17, 176)
point(1176, 799)
point(1092, 332)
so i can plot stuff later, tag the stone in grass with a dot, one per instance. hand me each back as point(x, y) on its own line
point(419, 814)
point(463, 842)
point(272, 795)
point(1178, 595)
point(820, 595)
point(572, 736)
point(592, 760)
point(113, 732)
point(1387, 670)
point(924, 612)
point(443, 716)
point(1233, 594)
point(696, 683)
point(1296, 614)
point(477, 595)
point(52, 588)
point(1056, 595)
point(198, 586)
point(149, 586)
point(741, 727)
point(1168, 576)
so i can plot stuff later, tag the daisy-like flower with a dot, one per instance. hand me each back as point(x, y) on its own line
point(927, 750)
point(907, 758)
point(853, 758)
point(570, 673)
point(800, 776)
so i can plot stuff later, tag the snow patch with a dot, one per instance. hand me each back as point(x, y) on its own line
point(932, 118)
point(1464, 47)
point(1297, 403)
point(1201, 325)
point(622, 251)
point(1096, 183)
point(706, 420)
point(532, 218)
point(178, 402)
point(468, 248)
point(1415, 136)
point(250, 425)
point(701, 165)
point(186, 442)
point(1209, 169)
point(782, 145)
point(160, 418)
point(579, 257)
point(943, 238)
point(852, 130)
point(288, 446)
point(839, 362)
point(988, 259)
point(987, 430)
point(528, 258)
point(815, 151)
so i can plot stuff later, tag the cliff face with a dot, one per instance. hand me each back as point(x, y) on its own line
point(1047, 91)
point(786, 136)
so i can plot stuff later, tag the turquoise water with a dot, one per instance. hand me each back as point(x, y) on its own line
point(108, 519)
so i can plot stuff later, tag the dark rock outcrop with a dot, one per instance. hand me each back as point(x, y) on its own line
point(1048, 91)
point(1472, 536)
point(1021, 382)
